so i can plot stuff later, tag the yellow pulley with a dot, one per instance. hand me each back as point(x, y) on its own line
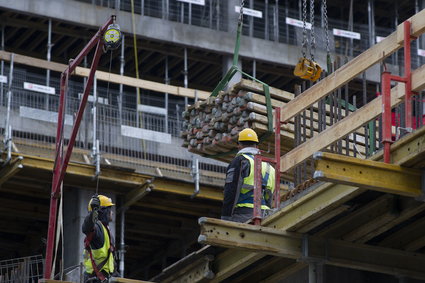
point(307, 69)
point(112, 37)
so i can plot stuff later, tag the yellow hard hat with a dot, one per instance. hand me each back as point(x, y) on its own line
point(248, 135)
point(104, 202)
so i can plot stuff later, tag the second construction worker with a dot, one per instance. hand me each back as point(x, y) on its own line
point(238, 202)
point(99, 253)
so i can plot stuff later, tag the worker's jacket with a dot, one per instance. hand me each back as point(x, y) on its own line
point(100, 253)
point(246, 195)
point(238, 187)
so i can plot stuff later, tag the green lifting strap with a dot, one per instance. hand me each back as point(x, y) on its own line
point(229, 75)
point(234, 69)
point(269, 107)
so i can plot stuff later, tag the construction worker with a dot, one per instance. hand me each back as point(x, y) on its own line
point(238, 202)
point(99, 256)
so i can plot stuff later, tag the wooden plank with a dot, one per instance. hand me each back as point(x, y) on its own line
point(105, 76)
point(354, 121)
point(353, 68)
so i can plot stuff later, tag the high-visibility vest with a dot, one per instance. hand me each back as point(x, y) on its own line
point(246, 196)
point(99, 255)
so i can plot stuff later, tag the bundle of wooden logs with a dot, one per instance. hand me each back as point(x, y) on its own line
point(211, 127)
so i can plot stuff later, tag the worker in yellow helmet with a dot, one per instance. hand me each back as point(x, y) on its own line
point(239, 185)
point(99, 253)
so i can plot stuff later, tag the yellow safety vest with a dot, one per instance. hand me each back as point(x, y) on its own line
point(99, 255)
point(246, 196)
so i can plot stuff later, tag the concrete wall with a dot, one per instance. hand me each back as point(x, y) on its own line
point(162, 30)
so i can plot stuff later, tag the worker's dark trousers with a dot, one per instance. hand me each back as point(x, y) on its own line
point(244, 214)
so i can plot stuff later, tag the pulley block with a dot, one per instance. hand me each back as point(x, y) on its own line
point(307, 69)
point(112, 37)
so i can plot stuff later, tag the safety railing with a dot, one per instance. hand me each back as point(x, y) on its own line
point(142, 140)
point(24, 269)
point(272, 24)
point(211, 15)
point(352, 123)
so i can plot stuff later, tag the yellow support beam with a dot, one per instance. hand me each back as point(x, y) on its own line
point(300, 247)
point(11, 169)
point(373, 175)
point(408, 151)
point(119, 177)
point(105, 76)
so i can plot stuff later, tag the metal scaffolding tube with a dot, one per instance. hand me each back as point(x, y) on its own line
point(254, 68)
point(371, 21)
point(7, 126)
point(49, 52)
point(121, 87)
point(167, 81)
point(122, 243)
point(94, 113)
point(186, 76)
point(418, 59)
point(266, 21)
point(2, 63)
point(251, 19)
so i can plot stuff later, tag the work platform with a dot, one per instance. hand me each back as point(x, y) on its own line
point(160, 216)
point(331, 224)
point(356, 223)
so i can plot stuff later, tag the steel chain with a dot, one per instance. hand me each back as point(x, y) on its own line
point(312, 35)
point(325, 16)
point(304, 42)
point(240, 20)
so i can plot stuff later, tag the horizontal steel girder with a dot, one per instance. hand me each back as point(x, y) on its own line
point(373, 175)
point(275, 242)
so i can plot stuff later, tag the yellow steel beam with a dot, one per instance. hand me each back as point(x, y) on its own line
point(300, 247)
point(137, 194)
point(125, 280)
point(373, 175)
point(10, 169)
point(407, 152)
point(124, 178)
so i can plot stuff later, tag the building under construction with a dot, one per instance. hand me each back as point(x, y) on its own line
point(153, 123)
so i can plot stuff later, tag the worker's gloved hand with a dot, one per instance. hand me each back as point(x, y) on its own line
point(95, 203)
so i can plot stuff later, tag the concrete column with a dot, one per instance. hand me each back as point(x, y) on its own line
point(232, 19)
point(75, 210)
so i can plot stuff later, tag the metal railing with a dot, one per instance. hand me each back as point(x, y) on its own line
point(24, 269)
point(272, 26)
point(146, 144)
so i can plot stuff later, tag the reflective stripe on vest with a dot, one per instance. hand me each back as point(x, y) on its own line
point(99, 255)
point(246, 196)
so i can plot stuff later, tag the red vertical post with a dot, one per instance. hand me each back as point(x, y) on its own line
point(277, 124)
point(257, 190)
point(408, 76)
point(61, 163)
point(80, 112)
point(56, 170)
point(386, 115)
